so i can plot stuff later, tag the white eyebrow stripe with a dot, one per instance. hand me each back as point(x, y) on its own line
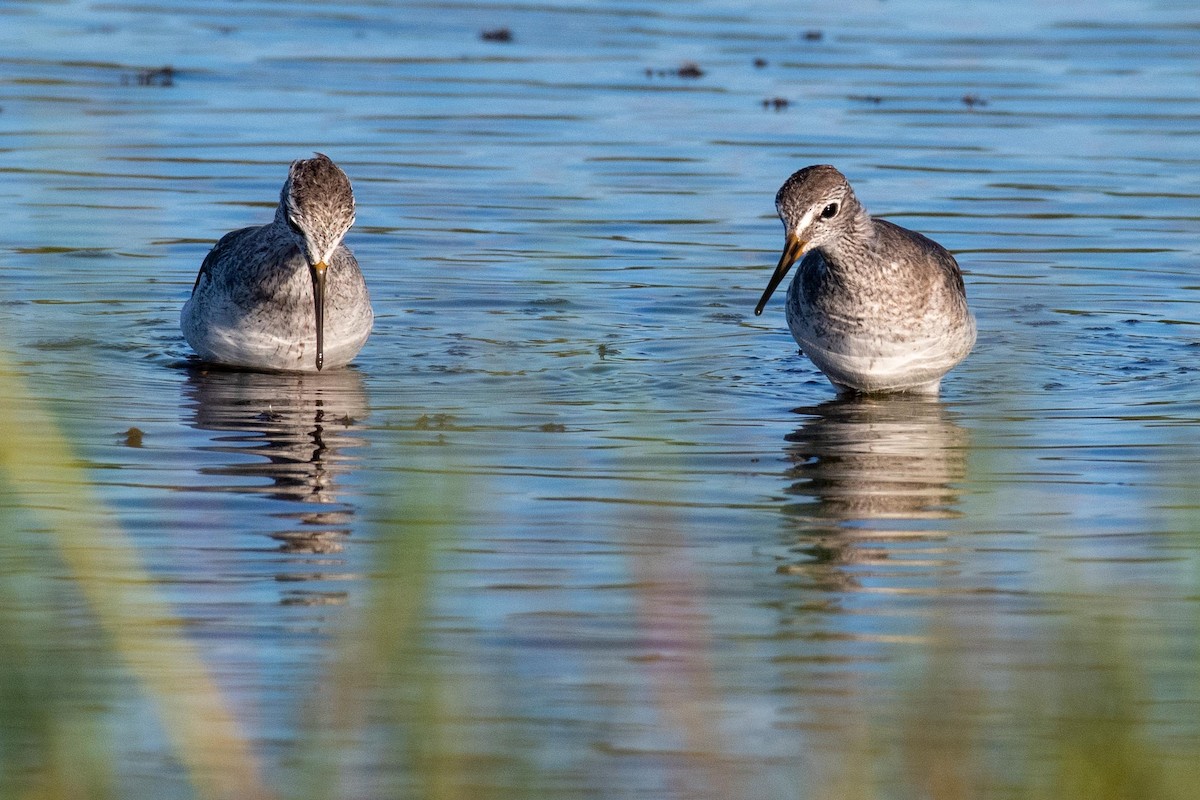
point(804, 222)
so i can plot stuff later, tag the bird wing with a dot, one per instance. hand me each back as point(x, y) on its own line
point(944, 260)
point(219, 249)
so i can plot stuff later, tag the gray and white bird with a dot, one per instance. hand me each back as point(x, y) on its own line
point(877, 307)
point(287, 296)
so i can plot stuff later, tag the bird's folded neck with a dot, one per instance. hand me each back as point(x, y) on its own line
point(854, 257)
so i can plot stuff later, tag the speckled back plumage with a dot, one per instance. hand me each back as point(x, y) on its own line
point(252, 303)
point(877, 307)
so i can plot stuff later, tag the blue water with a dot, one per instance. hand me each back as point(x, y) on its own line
point(672, 563)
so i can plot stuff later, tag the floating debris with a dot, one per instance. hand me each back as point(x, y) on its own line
point(433, 422)
point(163, 76)
point(496, 35)
point(688, 69)
point(973, 100)
point(866, 98)
point(759, 63)
point(777, 103)
point(813, 35)
point(132, 437)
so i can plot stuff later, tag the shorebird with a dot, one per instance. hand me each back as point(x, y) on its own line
point(286, 296)
point(878, 308)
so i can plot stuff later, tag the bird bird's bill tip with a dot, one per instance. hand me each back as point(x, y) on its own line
point(318, 279)
point(793, 248)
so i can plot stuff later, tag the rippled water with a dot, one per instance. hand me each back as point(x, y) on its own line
point(673, 563)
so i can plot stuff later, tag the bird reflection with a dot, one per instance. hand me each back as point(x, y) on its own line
point(862, 459)
point(291, 429)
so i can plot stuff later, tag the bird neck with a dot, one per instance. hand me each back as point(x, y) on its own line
point(849, 256)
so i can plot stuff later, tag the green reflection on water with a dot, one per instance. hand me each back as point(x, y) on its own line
point(76, 599)
point(1077, 719)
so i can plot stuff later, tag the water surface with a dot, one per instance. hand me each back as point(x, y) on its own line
point(622, 539)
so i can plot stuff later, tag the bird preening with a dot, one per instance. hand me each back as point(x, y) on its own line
point(288, 295)
point(878, 308)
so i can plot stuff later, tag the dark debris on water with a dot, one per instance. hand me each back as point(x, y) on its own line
point(777, 103)
point(159, 76)
point(688, 69)
point(496, 35)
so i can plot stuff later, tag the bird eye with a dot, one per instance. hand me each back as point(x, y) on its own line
point(295, 228)
point(830, 211)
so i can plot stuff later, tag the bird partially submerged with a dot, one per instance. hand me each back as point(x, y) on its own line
point(877, 307)
point(288, 295)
